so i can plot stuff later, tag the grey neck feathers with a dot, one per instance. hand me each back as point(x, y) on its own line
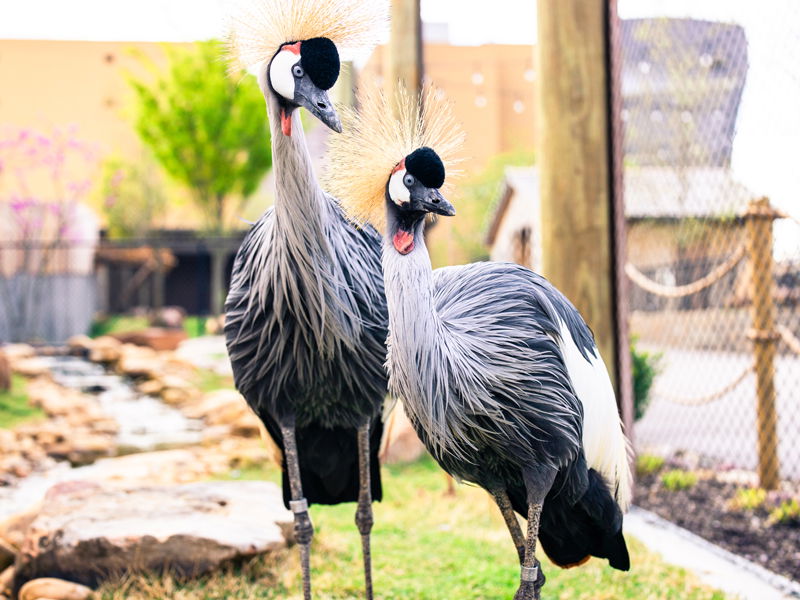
point(297, 262)
point(299, 200)
point(415, 361)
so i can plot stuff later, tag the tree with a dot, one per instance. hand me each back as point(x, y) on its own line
point(205, 126)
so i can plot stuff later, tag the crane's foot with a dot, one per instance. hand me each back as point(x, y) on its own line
point(531, 584)
point(303, 534)
point(364, 522)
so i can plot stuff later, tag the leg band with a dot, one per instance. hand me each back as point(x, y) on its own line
point(529, 573)
point(298, 506)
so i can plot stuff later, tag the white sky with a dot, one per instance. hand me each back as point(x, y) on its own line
point(765, 150)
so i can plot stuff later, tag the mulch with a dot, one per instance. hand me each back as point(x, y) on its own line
point(704, 510)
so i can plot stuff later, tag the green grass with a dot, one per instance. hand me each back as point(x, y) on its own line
point(118, 324)
point(206, 381)
point(194, 326)
point(14, 407)
point(677, 479)
point(426, 546)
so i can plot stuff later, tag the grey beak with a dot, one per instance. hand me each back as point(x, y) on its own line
point(316, 101)
point(434, 202)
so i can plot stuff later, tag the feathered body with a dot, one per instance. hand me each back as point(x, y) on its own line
point(477, 352)
point(306, 320)
point(306, 325)
point(497, 370)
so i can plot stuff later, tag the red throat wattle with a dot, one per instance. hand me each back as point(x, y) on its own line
point(403, 241)
point(286, 122)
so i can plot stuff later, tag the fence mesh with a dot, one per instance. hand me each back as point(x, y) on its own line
point(714, 245)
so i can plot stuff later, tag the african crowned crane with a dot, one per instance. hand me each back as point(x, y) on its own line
point(497, 370)
point(306, 318)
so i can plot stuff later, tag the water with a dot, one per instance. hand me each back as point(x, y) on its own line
point(145, 423)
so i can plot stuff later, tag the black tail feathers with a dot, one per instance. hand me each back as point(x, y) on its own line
point(329, 463)
point(592, 526)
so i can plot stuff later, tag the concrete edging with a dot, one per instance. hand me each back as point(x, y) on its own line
point(713, 565)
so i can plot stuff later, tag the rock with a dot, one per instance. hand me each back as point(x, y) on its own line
point(80, 345)
point(151, 387)
point(14, 528)
point(171, 317)
point(30, 367)
point(7, 555)
point(154, 337)
point(6, 578)
point(53, 589)
point(90, 535)
point(138, 361)
point(105, 349)
point(16, 352)
point(401, 443)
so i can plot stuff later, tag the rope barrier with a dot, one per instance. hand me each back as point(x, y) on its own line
point(709, 398)
point(789, 339)
point(688, 289)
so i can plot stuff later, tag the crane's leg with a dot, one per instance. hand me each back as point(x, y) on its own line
point(538, 481)
point(364, 518)
point(303, 528)
point(504, 503)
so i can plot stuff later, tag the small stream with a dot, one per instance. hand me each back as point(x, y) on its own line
point(145, 424)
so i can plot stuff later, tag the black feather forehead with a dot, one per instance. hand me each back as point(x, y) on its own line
point(426, 166)
point(320, 59)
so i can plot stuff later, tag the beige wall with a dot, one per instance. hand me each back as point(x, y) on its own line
point(487, 85)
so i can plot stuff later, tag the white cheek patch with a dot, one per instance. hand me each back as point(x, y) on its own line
point(398, 191)
point(280, 73)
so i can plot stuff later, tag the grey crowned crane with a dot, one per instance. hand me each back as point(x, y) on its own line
point(306, 319)
point(497, 370)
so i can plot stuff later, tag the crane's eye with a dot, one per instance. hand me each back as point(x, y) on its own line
point(297, 71)
point(409, 180)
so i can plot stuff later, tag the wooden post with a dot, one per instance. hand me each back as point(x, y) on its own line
point(403, 59)
point(758, 223)
point(218, 256)
point(574, 163)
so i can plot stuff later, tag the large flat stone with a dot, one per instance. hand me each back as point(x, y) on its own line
point(87, 533)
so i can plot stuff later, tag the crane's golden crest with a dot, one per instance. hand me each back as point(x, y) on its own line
point(378, 137)
point(256, 29)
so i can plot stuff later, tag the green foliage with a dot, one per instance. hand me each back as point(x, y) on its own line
point(748, 499)
point(645, 367)
point(786, 513)
point(647, 464)
point(476, 202)
point(426, 546)
point(14, 406)
point(677, 479)
point(208, 129)
point(132, 199)
point(194, 326)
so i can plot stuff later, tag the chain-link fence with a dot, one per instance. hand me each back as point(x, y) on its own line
point(713, 247)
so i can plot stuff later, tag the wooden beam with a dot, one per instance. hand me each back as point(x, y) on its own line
point(403, 59)
point(574, 158)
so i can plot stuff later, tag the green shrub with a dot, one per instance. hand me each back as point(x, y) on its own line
point(645, 367)
point(748, 499)
point(677, 479)
point(647, 464)
point(786, 513)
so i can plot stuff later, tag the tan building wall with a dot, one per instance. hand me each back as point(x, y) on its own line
point(492, 91)
point(55, 84)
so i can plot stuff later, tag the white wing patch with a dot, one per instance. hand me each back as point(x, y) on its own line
point(605, 445)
